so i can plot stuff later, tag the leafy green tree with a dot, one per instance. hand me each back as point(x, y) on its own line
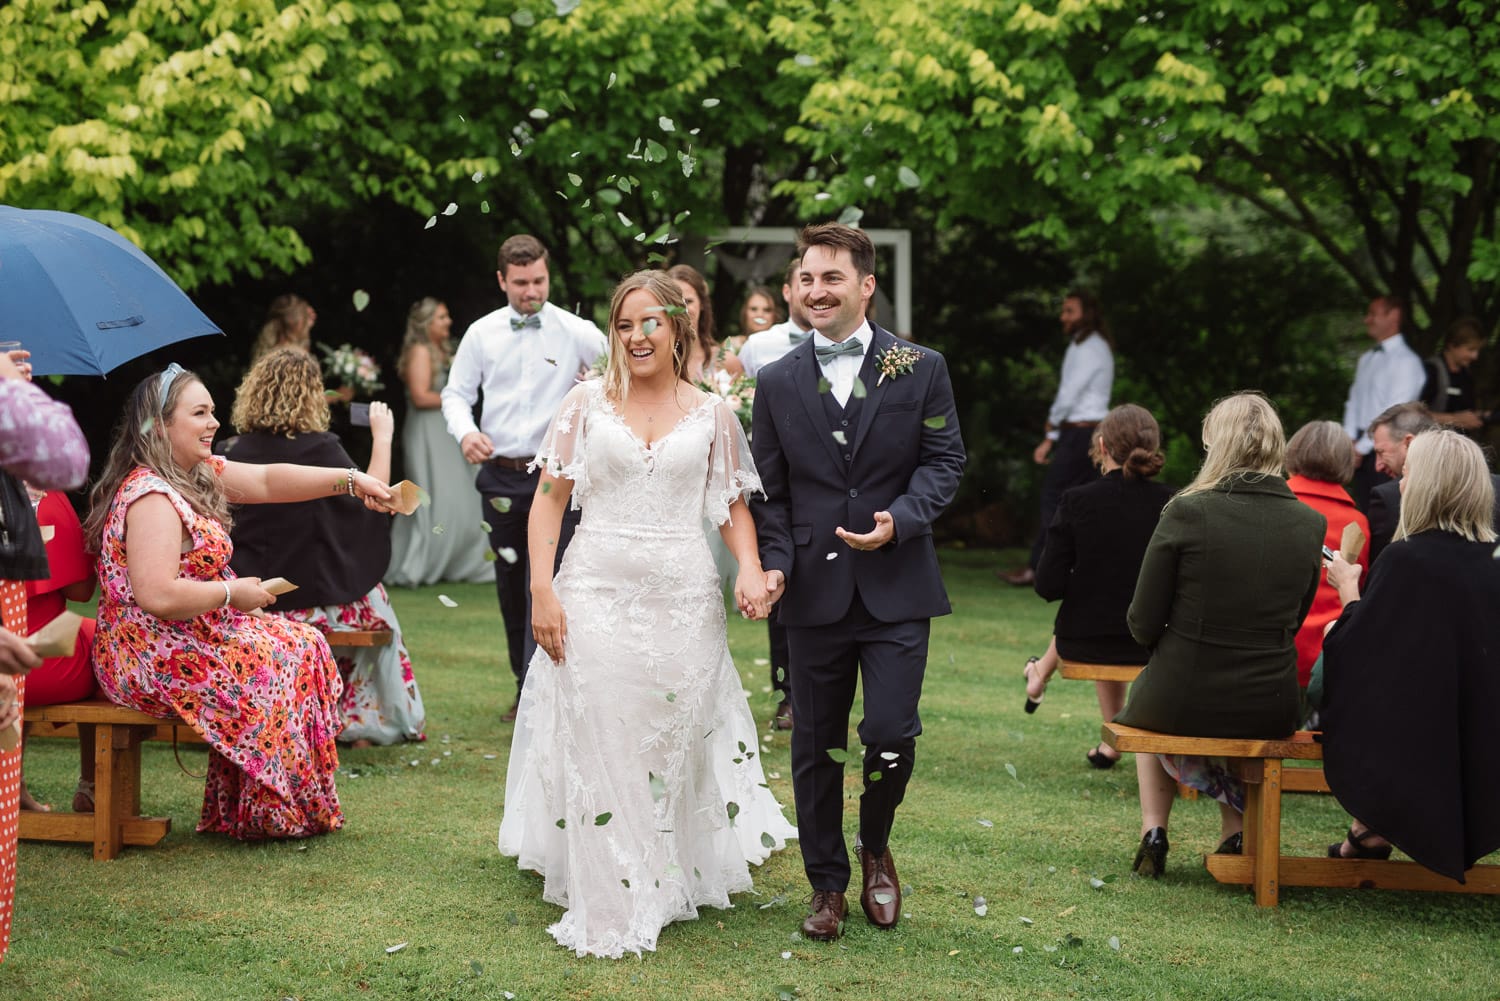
point(1369, 128)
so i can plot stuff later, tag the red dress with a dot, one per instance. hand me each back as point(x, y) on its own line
point(263, 691)
point(60, 679)
point(1332, 502)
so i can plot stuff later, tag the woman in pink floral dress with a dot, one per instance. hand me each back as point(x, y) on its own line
point(179, 633)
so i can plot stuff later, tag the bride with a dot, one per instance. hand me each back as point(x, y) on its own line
point(634, 784)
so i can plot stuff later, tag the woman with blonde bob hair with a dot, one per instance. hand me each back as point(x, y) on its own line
point(1228, 575)
point(1416, 656)
point(631, 713)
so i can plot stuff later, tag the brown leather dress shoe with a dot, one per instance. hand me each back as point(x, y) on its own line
point(826, 922)
point(881, 897)
point(783, 718)
point(509, 716)
point(1024, 577)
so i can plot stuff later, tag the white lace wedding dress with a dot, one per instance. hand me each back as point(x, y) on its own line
point(635, 785)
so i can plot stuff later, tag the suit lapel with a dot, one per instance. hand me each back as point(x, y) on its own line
point(869, 375)
point(807, 374)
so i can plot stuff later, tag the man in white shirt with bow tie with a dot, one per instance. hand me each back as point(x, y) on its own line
point(524, 357)
point(775, 341)
point(1387, 374)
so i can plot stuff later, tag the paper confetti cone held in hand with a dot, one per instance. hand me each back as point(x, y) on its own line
point(1352, 542)
point(57, 638)
point(10, 737)
point(406, 497)
point(278, 585)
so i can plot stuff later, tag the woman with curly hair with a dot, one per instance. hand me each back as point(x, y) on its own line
point(332, 548)
point(179, 633)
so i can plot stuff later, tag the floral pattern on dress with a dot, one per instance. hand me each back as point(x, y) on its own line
point(381, 702)
point(263, 691)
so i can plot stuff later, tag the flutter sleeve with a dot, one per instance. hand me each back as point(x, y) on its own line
point(731, 470)
point(562, 451)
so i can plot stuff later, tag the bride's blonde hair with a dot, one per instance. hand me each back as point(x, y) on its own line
point(663, 288)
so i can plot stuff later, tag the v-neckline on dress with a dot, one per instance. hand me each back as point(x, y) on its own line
point(650, 448)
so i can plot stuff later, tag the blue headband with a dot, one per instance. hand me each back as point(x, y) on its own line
point(164, 382)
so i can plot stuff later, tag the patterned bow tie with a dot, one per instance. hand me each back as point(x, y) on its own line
point(828, 352)
point(534, 321)
point(798, 336)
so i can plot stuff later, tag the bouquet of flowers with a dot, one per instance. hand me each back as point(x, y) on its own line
point(348, 366)
point(738, 392)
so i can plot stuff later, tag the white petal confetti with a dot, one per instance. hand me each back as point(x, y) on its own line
point(431, 222)
point(839, 437)
point(447, 601)
point(986, 823)
point(1018, 949)
point(1027, 921)
point(889, 755)
point(478, 176)
point(541, 113)
point(451, 209)
point(786, 955)
point(803, 59)
point(361, 300)
point(981, 906)
point(710, 102)
point(831, 556)
point(507, 554)
point(1114, 942)
point(491, 757)
point(666, 124)
point(395, 948)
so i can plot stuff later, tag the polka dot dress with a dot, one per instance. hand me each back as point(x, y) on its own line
point(13, 616)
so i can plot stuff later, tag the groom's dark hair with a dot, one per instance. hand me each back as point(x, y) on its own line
point(839, 237)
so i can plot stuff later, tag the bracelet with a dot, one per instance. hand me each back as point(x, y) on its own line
point(227, 595)
point(349, 482)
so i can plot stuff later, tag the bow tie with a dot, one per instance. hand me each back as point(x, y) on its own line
point(798, 336)
point(828, 352)
point(534, 321)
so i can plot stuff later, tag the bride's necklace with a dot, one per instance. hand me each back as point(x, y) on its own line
point(651, 417)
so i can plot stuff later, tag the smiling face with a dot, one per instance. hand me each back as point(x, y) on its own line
point(690, 299)
point(525, 285)
point(758, 314)
point(440, 325)
point(191, 425)
point(834, 294)
point(646, 334)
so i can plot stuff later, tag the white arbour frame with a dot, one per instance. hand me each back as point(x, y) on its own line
point(899, 239)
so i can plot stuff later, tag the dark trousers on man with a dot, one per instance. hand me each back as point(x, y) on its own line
point(781, 657)
point(890, 658)
point(507, 494)
point(1070, 467)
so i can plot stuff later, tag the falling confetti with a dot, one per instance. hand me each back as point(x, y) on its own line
point(803, 59)
point(666, 124)
point(394, 948)
point(361, 300)
point(908, 177)
point(831, 556)
point(538, 113)
point(507, 554)
point(710, 102)
point(451, 209)
point(447, 601)
point(936, 423)
point(478, 176)
point(431, 222)
point(501, 504)
point(986, 823)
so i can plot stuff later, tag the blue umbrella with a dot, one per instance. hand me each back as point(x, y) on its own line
point(82, 298)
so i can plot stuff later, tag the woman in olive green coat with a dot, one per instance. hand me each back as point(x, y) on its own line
point(1228, 577)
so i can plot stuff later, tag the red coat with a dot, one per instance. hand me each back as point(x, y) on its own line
point(1332, 502)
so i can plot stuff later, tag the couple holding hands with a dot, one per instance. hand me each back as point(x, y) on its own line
point(634, 785)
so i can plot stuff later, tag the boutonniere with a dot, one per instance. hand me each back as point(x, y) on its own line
point(895, 361)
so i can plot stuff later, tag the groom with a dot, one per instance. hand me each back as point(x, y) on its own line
point(857, 443)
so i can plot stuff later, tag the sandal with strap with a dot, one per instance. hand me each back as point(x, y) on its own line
point(1356, 842)
point(83, 797)
point(1032, 703)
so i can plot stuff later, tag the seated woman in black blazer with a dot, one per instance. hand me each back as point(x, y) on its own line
point(1417, 657)
point(1091, 558)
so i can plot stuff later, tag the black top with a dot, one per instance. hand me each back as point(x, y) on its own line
point(1410, 689)
point(1092, 557)
point(334, 549)
point(1460, 394)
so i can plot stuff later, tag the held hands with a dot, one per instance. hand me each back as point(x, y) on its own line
point(477, 447)
point(549, 625)
point(885, 531)
point(16, 656)
point(752, 592)
point(1042, 454)
point(775, 585)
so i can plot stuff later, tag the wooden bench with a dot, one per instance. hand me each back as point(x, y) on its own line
point(1259, 764)
point(118, 734)
point(1294, 780)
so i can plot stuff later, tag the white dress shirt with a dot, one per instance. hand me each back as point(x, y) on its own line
point(1387, 374)
point(1088, 374)
point(524, 375)
point(843, 370)
point(761, 349)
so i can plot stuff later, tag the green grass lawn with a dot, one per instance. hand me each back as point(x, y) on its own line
point(1047, 845)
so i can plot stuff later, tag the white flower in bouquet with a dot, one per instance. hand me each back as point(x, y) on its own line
point(347, 365)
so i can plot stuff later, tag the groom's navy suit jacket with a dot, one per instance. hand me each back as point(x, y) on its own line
point(902, 453)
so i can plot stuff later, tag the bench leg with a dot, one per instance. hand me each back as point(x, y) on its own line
point(1263, 831)
point(117, 785)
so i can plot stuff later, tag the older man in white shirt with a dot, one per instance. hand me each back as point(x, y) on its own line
point(777, 340)
point(1387, 374)
point(524, 357)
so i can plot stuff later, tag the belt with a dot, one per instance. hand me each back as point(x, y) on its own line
point(519, 465)
point(1080, 424)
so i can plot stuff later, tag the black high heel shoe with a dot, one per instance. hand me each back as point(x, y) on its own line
point(1151, 857)
point(1099, 759)
point(1032, 703)
point(1361, 850)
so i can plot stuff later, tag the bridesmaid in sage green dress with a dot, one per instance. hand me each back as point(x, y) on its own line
point(443, 541)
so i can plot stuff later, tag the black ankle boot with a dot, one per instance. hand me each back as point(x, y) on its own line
point(1151, 857)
